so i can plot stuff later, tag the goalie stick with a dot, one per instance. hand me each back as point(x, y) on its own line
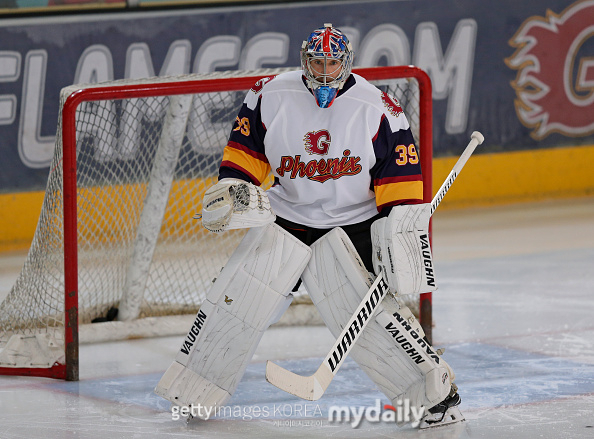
point(313, 387)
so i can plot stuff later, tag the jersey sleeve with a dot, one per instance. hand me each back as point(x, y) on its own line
point(396, 175)
point(244, 156)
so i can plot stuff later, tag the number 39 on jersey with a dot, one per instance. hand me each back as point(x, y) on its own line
point(406, 154)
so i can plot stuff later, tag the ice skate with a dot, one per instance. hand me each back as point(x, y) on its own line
point(444, 413)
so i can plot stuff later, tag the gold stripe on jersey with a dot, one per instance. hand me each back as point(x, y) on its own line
point(246, 161)
point(392, 193)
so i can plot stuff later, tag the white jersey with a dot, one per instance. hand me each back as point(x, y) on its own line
point(332, 166)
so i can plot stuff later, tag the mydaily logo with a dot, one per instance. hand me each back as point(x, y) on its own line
point(402, 413)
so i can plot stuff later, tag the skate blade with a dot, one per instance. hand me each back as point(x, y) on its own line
point(451, 416)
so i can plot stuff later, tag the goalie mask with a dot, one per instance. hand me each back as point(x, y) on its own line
point(326, 60)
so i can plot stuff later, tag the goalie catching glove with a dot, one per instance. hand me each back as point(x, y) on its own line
point(235, 204)
point(401, 249)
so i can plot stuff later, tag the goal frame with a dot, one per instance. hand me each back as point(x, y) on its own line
point(70, 370)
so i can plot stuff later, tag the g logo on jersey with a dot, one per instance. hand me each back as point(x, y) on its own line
point(555, 81)
point(317, 142)
point(392, 105)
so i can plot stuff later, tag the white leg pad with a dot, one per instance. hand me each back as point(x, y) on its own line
point(251, 292)
point(180, 385)
point(397, 359)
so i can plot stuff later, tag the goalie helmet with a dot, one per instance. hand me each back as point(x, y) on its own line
point(327, 61)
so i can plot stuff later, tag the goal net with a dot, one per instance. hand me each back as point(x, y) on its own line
point(116, 253)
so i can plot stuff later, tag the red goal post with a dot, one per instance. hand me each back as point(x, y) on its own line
point(92, 120)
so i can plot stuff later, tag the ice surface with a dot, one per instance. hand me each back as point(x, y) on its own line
point(514, 312)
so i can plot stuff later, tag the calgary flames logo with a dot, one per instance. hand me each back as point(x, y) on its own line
point(317, 142)
point(555, 80)
point(392, 105)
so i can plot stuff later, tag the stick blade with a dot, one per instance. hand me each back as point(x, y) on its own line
point(304, 387)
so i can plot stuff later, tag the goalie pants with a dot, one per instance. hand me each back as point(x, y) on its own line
point(359, 234)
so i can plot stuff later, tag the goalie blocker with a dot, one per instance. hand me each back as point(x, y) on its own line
point(401, 249)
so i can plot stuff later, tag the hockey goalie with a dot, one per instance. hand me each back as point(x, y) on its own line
point(346, 205)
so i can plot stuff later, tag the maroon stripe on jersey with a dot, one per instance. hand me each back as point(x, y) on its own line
point(399, 202)
point(248, 151)
point(228, 164)
point(388, 180)
point(378, 128)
